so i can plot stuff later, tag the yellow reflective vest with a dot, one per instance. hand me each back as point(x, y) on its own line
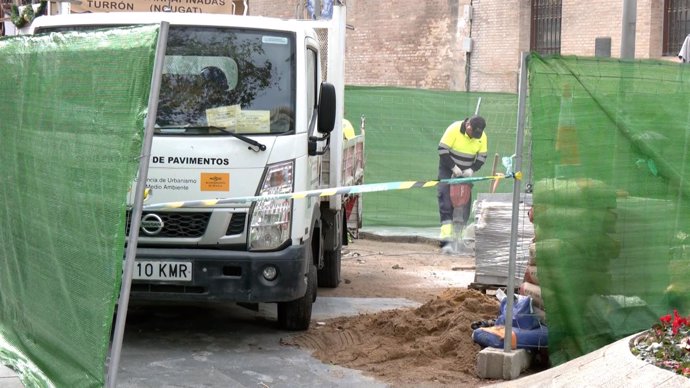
point(457, 148)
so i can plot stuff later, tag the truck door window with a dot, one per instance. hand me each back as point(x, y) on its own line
point(311, 82)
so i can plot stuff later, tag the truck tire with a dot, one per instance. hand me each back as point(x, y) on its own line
point(329, 275)
point(296, 315)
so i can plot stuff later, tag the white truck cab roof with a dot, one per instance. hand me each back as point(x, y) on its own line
point(192, 19)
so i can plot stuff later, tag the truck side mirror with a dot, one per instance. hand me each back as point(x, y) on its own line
point(326, 108)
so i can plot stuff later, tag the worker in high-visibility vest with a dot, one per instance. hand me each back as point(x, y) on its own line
point(462, 152)
point(348, 130)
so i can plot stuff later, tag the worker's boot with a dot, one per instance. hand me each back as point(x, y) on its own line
point(448, 248)
point(447, 239)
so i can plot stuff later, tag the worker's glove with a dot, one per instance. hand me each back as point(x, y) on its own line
point(457, 171)
point(467, 173)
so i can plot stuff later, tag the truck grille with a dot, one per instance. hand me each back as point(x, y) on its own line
point(190, 225)
point(182, 224)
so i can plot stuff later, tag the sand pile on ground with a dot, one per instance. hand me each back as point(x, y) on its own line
point(406, 347)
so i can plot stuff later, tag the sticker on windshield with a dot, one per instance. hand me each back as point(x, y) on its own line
point(254, 121)
point(274, 40)
point(223, 116)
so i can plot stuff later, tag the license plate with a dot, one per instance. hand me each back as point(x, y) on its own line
point(163, 270)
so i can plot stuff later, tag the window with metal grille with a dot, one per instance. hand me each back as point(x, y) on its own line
point(5, 10)
point(546, 27)
point(676, 25)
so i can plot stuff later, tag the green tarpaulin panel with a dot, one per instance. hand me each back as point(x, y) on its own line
point(611, 183)
point(72, 109)
point(403, 129)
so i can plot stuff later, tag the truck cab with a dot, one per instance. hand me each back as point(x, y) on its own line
point(244, 110)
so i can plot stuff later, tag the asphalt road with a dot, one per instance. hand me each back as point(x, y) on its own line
point(230, 346)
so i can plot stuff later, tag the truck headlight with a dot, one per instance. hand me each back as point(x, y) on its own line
point(270, 222)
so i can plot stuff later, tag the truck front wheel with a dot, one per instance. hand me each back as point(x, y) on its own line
point(296, 314)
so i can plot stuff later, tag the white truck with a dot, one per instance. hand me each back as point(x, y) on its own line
point(245, 109)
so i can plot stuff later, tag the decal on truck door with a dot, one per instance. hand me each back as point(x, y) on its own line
point(170, 183)
point(213, 181)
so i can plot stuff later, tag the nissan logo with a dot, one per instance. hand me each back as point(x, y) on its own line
point(151, 224)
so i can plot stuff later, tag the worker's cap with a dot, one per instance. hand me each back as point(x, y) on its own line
point(478, 124)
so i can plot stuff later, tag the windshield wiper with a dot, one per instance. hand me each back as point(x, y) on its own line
point(251, 142)
point(261, 147)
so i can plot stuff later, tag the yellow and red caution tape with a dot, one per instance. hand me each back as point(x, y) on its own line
point(344, 190)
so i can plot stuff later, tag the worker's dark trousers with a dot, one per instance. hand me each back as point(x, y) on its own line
point(445, 206)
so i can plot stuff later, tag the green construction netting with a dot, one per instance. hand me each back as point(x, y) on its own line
point(611, 210)
point(403, 129)
point(71, 125)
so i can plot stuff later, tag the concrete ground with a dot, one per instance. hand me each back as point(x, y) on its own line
point(8, 378)
point(241, 367)
point(612, 366)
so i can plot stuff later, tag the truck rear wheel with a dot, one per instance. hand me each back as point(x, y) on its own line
point(296, 314)
point(329, 275)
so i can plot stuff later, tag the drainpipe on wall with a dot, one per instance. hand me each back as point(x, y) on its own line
point(628, 32)
point(468, 53)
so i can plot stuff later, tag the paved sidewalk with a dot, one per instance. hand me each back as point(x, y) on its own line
point(8, 378)
point(612, 366)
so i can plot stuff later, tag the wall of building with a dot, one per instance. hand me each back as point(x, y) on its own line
point(643, 29)
point(419, 44)
point(500, 32)
point(656, 27)
point(583, 22)
point(407, 43)
point(410, 44)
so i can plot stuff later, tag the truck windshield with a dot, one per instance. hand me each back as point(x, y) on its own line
point(241, 80)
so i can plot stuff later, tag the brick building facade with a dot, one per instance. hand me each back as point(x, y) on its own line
point(421, 44)
point(466, 45)
point(584, 21)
